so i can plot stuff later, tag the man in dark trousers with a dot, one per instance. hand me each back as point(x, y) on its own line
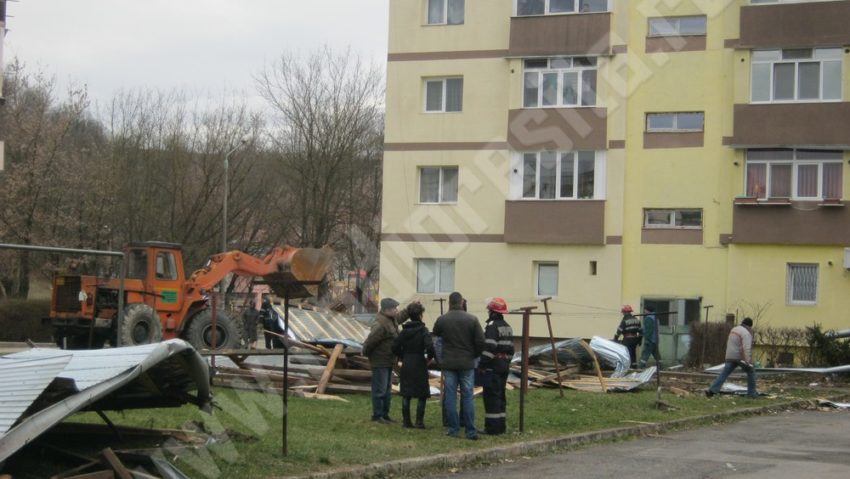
point(631, 331)
point(378, 347)
point(650, 338)
point(463, 341)
point(494, 366)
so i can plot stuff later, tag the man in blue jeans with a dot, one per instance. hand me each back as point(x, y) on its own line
point(463, 342)
point(378, 348)
point(739, 352)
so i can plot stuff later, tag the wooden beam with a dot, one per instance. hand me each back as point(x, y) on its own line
point(329, 369)
point(115, 463)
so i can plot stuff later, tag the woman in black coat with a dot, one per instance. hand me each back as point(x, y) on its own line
point(415, 348)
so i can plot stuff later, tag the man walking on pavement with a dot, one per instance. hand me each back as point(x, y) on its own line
point(463, 341)
point(739, 352)
point(378, 347)
point(495, 364)
point(631, 331)
point(650, 338)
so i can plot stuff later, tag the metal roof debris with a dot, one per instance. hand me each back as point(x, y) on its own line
point(64, 382)
point(323, 326)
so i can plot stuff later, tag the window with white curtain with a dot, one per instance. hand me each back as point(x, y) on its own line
point(438, 184)
point(549, 175)
point(675, 122)
point(564, 81)
point(795, 174)
point(557, 7)
point(444, 95)
point(445, 12)
point(802, 287)
point(435, 276)
point(796, 75)
point(677, 26)
point(547, 279)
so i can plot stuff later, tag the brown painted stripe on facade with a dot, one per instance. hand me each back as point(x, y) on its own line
point(558, 128)
point(792, 124)
point(673, 140)
point(616, 144)
point(797, 223)
point(670, 236)
point(442, 238)
point(586, 34)
point(731, 43)
point(562, 222)
point(447, 146)
point(618, 49)
point(689, 43)
point(795, 25)
point(455, 55)
point(613, 240)
point(728, 140)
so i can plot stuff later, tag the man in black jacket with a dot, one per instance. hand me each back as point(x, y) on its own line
point(463, 341)
point(495, 364)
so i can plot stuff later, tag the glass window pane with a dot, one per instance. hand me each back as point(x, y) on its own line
point(832, 180)
point(532, 81)
point(757, 180)
point(783, 81)
point(803, 279)
point(807, 181)
point(429, 184)
point(454, 94)
point(827, 54)
point(761, 81)
point(594, 5)
point(529, 175)
point(584, 61)
point(455, 12)
point(560, 62)
point(137, 267)
point(550, 89)
point(447, 276)
point(586, 167)
point(831, 80)
point(434, 95)
point(560, 6)
point(662, 26)
point(690, 121)
point(770, 154)
point(588, 87)
point(766, 55)
point(530, 7)
point(166, 266)
point(659, 121)
point(435, 12)
point(797, 54)
point(567, 175)
point(819, 155)
point(780, 181)
point(657, 217)
point(570, 92)
point(808, 81)
point(689, 218)
point(539, 63)
point(547, 280)
point(692, 25)
point(548, 175)
point(426, 276)
point(449, 188)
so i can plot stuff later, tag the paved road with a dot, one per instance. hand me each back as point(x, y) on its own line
point(793, 445)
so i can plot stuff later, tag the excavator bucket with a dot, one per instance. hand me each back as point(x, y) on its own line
point(299, 277)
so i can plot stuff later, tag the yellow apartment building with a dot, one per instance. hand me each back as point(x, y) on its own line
point(680, 154)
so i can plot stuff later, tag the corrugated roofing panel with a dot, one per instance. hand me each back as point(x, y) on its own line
point(22, 381)
point(315, 326)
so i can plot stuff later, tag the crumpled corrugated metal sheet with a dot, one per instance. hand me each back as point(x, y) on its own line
point(322, 326)
point(22, 381)
point(104, 379)
point(609, 353)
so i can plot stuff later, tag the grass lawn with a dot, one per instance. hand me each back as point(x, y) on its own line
point(329, 434)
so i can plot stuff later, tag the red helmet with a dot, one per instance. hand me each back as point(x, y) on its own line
point(498, 305)
point(627, 309)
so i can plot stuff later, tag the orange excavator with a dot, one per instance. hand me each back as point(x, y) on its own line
point(161, 302)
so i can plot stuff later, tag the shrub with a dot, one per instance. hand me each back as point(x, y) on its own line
point(21, 320)
point(825, 351)
point(713, 335)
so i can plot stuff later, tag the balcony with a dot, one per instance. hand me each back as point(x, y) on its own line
point(800, 25)
point(578, 34)
point(583, 128)
point(578, 222)
point(810, 224)
point(792, 124)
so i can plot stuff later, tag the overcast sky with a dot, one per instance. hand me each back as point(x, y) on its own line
point(204, 46)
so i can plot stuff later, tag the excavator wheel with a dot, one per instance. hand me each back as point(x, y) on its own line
point(199, 332)
point(140, 325)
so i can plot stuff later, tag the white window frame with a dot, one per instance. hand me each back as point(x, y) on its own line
point(790, 274)
point(440, 185)
point(796, 62)
point(671, 218)
point(676, 23)
point(438, 267)
point(445, 5)
point(537, 265)
point(561, 72)
point(518, 165)
point(442, 80)
point(675, 128)
point(576, 9)
point(795, 164)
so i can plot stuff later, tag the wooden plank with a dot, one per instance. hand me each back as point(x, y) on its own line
point(325, 397)
point(115, 463)
point(70, 472)
point(95, 475)
point(329, 369)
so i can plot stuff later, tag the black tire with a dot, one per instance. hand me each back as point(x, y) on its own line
point(199, 332)
point(140, 325)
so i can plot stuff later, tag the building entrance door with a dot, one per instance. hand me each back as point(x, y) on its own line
point(675, 316)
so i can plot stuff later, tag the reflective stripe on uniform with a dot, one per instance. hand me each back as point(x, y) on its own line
point(490, 341)
point(496, 415)
point(487, 353)
point(506, 342)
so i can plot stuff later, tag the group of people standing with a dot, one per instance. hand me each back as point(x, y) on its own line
point(636, 332)
point(459, 346)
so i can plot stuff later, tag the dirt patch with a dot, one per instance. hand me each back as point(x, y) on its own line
point(22, 319)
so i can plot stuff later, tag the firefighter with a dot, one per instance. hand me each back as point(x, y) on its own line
point(494, 365)
point(631, 331)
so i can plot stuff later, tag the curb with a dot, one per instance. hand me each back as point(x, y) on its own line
point(418, 465)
